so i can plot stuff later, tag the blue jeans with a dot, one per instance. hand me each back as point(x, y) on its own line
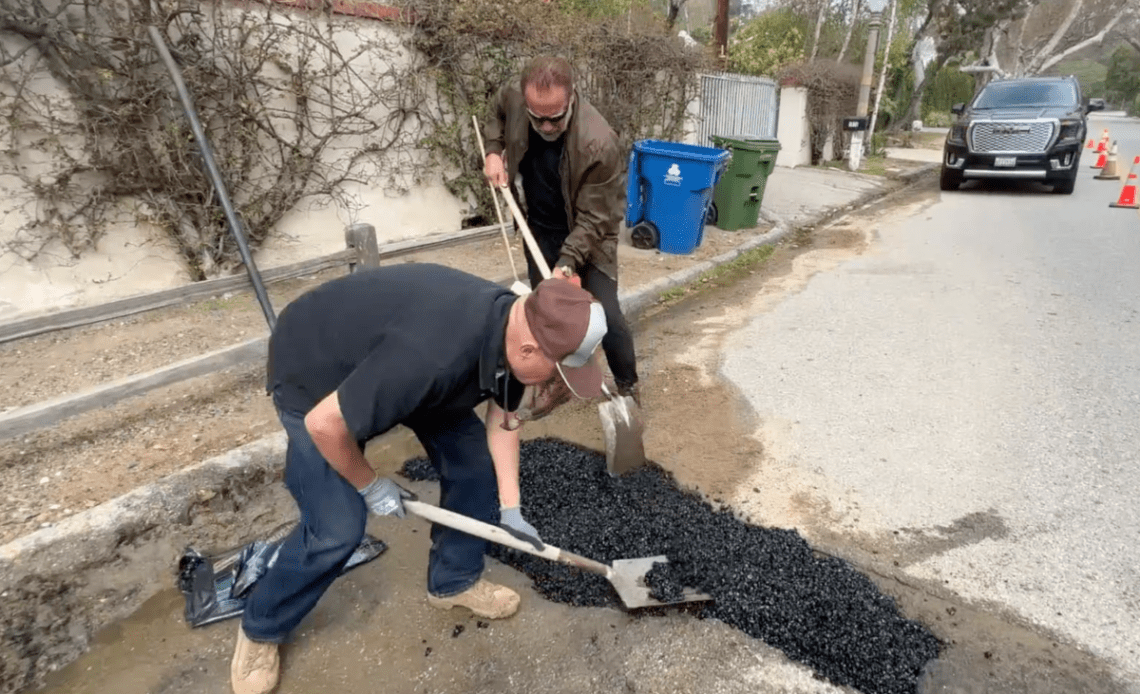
point(333, 516)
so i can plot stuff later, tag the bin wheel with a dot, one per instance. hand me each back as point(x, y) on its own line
point(713, 214)
point(644, 236)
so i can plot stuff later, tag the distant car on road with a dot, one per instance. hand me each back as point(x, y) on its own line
point(1027, 128)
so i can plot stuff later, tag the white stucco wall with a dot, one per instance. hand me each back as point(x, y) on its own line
point(794, 131)
point(134, 257)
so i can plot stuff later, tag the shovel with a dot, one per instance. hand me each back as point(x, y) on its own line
point(620, 415)
point(627, 576)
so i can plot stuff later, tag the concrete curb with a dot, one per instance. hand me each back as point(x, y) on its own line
point(60, 585)
point(95, 533)
point(637, 301)
point(914, 174)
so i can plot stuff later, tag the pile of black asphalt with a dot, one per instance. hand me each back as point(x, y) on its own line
point(767, 582)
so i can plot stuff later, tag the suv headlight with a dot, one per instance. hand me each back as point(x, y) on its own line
point(1070, 131)
point(958, 134)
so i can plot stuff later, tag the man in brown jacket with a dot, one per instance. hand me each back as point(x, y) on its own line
point(562, 162)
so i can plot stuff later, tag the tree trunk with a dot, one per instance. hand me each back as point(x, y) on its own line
point(914, 109)
point(855, 5)
point(989, 54)
point(818, 27)
point(671, 17)
point(883, 74)
point(722, 32)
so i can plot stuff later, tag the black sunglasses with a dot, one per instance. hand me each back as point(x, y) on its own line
point(553, 120)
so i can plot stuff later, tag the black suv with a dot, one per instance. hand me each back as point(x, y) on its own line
point(1028, 128)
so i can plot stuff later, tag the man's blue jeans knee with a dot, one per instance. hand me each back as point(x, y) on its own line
point(333, 515)
point(458, 451)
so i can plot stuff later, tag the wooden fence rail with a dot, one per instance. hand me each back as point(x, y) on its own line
point(43, 414)
point(361, 253)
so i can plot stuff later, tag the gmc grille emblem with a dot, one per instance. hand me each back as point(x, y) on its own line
point(1011, 130)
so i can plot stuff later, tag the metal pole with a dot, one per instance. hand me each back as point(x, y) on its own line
point(215, 175)
point(855, 152)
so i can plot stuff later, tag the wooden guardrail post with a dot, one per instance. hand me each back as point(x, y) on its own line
point(361, 238)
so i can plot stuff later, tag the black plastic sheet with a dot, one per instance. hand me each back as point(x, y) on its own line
point(215, 588)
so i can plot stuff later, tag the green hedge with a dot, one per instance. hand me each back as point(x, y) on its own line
point(945, 88)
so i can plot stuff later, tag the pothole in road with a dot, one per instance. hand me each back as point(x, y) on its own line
point(766, 582)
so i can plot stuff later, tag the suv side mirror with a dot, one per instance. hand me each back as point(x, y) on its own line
point(958, 109)
point(1095, 105)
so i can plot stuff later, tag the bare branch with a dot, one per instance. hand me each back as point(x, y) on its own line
point(1051, 46)
point(1091, 41)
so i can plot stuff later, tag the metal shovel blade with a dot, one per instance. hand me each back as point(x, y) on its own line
point(629, 581)
point(623, 430)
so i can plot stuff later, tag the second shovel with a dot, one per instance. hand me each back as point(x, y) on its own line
point(620, 415)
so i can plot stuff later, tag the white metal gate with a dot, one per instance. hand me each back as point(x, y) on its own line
point(737, 105)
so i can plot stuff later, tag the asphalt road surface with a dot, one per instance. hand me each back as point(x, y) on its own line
point(965, 398)
point(951, 405)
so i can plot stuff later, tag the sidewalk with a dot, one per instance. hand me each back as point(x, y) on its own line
point(926, 149)
point(793, 197)
point(116, 555)
point(915, 154)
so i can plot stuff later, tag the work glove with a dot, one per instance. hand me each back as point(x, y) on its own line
point(511, 520)
point(384, 497)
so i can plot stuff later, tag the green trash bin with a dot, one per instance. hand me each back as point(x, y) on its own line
point(738, 195)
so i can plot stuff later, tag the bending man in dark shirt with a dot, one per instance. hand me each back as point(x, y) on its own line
point(553, 147)
point(419, 345)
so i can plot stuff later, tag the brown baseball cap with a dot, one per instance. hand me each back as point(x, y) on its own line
point(568, 325)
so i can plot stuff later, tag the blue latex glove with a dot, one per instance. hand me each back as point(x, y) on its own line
point(385, 498)
point(511, 520)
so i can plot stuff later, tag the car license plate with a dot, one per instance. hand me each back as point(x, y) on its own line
point(1006, 162)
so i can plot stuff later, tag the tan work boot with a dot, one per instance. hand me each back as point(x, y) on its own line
point(485, 599)
point(254, 667)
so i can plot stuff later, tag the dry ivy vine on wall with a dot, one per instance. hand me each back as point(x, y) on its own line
point(833, 94)
point(639, 78)
point(297, 105)
point(280, 95)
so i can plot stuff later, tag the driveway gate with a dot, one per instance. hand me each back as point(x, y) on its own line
point(734, 105)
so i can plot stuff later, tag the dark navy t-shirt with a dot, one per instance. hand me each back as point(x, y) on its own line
point(542, 185)
point(400, 344)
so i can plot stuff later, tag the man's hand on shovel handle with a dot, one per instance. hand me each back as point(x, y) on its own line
point(494, 170)
point(566, 273)
point(512, 521)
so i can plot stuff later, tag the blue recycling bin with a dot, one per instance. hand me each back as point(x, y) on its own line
point(668, 193)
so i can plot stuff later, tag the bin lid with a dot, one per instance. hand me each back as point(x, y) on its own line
point(753, 144)
point(680, 150)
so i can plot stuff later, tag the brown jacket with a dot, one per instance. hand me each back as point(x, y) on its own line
point(591, 172)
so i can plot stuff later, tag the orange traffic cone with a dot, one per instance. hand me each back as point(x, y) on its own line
point(1102, 146)
point(1109, 172)
point(1100, 151)
point(1128, 192)
point(1091, 144)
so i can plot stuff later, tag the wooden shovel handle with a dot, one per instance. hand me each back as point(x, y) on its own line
point(496, 534)
point(498, 209)
point(586, 564)
point(535, 251)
